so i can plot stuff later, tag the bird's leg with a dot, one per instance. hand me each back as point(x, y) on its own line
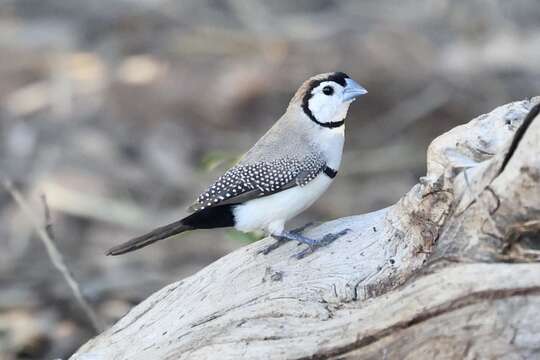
point(280, 239)
point(313, 244)
point(301, 229)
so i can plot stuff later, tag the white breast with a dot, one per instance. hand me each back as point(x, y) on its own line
point(331, 144)
point(271, 212)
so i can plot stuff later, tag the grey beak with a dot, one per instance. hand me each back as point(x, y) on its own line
point(352, 90)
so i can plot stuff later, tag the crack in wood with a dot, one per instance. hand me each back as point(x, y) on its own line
point(520, 132)
point(469, 300)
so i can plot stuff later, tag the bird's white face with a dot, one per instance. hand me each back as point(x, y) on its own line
point(328, 101)
point(327, 104)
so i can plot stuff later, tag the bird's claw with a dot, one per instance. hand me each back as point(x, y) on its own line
point(280, 239)
point(315, 244)
point(312, 244)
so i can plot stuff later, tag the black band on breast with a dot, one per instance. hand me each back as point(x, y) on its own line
point(331, 125)
point(331, 173)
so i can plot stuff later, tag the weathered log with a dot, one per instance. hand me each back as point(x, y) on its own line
point(448, 272)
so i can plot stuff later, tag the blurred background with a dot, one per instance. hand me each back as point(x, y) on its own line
point(122, 111)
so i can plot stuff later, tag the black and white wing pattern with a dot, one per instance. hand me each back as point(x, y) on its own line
point(245, 182)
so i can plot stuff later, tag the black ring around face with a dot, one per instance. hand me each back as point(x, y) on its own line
point(337, 77)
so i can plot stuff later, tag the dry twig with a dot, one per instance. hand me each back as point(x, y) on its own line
point(46, 235)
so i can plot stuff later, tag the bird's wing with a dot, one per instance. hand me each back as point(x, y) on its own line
point(245, 182)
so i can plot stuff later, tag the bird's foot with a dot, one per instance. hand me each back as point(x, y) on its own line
point(301, 229)
point(312, 244)
point(281, 239)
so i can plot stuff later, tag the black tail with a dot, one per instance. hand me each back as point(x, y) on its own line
point(144, 240)
point(219, 216)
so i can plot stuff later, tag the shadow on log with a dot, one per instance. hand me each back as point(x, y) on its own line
point(451, 271)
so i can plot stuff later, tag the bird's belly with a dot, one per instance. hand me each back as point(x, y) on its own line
point(265, 212)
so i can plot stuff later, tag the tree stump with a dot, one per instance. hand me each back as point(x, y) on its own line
point(449, 272)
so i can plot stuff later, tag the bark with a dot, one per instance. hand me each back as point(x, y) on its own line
point(449, 272)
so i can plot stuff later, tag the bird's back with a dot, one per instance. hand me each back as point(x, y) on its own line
point(282, 158)
point(289, 138)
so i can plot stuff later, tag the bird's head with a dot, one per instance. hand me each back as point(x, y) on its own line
point(325, 98)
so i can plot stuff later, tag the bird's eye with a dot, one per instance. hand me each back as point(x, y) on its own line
point(328, 90)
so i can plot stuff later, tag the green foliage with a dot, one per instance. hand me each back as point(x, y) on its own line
point(216, 159)
point(246, 238)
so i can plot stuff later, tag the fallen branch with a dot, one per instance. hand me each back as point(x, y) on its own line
point(447, 271)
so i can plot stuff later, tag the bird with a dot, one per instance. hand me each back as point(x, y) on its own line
point(283, 174)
